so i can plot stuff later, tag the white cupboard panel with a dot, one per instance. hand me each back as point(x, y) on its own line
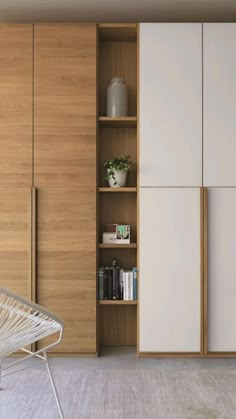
point(170, 104)
point(221, 269)
point(219, 104)
point(170, 290)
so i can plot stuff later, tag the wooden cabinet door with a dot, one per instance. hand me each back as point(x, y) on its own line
point(219, 49)
point(170, 277)
point(221, 269)
point(65, 178)
point(65, 105)
point(66, 260)
point(15, 240)
point(16, 81)
point(170, 104)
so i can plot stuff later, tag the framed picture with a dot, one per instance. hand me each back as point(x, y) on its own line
point(123, 234)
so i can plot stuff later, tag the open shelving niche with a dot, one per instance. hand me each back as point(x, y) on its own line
point(117, 55)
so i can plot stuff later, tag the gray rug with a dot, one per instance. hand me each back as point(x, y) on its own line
point(121, 393)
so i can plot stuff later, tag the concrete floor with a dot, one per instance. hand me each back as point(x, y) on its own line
point(125, 357)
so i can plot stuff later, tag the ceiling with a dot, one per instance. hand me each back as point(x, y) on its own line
point(116, 10)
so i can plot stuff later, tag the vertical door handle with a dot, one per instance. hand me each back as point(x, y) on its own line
point(205, 249)
point(203, 252)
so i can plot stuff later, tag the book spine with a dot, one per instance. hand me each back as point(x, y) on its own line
point(135, 283)
point(110, 284)
point(127, 286)
point(117, 283)
point(125, 279)
point(101, 283)
point(121, 284)
point(131, 285)
point(114, 282)
point(105, 283)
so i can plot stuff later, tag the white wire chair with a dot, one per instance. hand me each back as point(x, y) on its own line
point(23, 323)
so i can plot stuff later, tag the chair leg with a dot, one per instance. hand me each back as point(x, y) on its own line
point(53, 386)
point(0, 374)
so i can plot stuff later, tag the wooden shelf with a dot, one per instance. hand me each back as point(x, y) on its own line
point(117, 246)
point(117, 302)
point(121, 121)
point(118, 32)
point(113, 190)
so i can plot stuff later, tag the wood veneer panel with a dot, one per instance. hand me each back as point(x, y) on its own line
point(16, 52)
point(118, 59)
point(66, 262)
point(15, 232)
point(65, 105)
point(126, 258)
point(118, 325)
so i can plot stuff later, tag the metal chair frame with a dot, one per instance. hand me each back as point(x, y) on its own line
point(21, 314)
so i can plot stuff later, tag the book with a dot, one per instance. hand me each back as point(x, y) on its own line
point(101, 283)
point(118, 297)
point(105, 283)
point(110, 284)
point(121, 280)
point(131, 289)
point(114, 283)
point(126, 285)
point(135, 279)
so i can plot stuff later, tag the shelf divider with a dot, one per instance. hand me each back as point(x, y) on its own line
point(117, 190)
point(117, 302)
point(117, 246)
point(121, 121)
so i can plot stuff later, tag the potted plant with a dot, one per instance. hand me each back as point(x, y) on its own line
point(117, 169)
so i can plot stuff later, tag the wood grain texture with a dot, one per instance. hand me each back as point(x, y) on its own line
point(127, 258)
point(66, 260)
point(117, 32)
point(118, 59)
point(16, 51)
point(118, 325)
point(15, 233)
point(205, 268)
point(65, 105)
point(202, 311)
point(115, 142)
point(122, 121)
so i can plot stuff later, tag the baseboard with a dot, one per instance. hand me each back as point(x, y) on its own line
point(186, 355)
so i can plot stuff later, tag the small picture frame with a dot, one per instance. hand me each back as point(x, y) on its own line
point(123, 234)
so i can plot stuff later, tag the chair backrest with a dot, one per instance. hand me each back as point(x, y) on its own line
point(28, 304)
point(23, 322)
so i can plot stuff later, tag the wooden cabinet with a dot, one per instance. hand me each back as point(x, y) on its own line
point(170, 270)
point(65, 178)
point(170, 104)
point(219, 50)
point(221, 269)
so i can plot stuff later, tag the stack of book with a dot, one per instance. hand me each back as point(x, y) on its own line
point(115, 283)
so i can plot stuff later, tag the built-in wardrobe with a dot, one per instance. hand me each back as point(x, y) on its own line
point(187, 189)
point(48, 172)
point(180, 200)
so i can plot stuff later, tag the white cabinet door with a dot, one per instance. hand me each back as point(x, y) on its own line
point(221, 269)
point(219, 104)
point(170, 104)
point(170, 283)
